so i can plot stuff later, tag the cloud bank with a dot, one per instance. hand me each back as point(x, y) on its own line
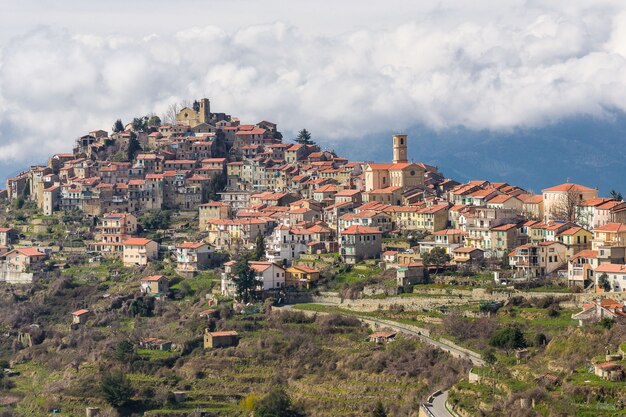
point(525, 66)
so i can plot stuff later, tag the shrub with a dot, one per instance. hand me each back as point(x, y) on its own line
point(276, 404)
point(116, 389)
point(508, 339)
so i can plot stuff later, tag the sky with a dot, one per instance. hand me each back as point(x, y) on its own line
point(351, 72)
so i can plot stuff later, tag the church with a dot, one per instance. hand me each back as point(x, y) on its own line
point(192, 118)
point(400, 173)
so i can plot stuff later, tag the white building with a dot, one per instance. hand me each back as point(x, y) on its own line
point(269, 276)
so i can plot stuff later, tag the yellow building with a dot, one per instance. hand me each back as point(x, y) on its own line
point(400, 173)
point(301, 276)
point(433, 218)
point(192, 118)
point(213, 210)
point(576, 239)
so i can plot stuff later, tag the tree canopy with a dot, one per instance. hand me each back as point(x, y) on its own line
point(304, 138)
point(133, 146)
point(259, 250)
point(379, 410)
point(116, 388)
point(276, 404)
point(603, 282)
point(245, 279)
point(508, 339)
point(118, 126)
point(436, 257)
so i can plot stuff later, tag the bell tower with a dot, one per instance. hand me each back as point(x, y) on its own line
point(400, 149)
point(204, 115)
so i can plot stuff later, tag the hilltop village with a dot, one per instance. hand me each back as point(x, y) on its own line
point(236, 221)
point(244, 182)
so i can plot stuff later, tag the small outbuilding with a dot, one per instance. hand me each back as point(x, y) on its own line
point(609, 370)
point(214, 340)
point(80, 316)
point(153, 343)
point(155, 284)
point(382, 337)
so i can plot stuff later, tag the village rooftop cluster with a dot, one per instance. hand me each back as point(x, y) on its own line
point(244, 182)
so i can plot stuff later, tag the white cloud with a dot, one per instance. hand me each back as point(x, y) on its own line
point(516, 66)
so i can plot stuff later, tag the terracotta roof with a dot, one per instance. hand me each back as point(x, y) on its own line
point(587, 253)
point(136, 241)
point(434, 209)
point(608, 366)
point(572, 231)
point(80, 312)
point(611, 268)
point(500, 199)
point(596, 201)
point(152, 278)
point(224, 333)
point(190, 245)
point(360, 230)
point(467, 249)
point(306, 269)
point(611, 227)
point(504, 227)
point(258, 266)
point(30, 252)
point(568, 187)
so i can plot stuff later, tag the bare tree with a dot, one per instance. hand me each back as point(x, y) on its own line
point(566, 207)
point(170, 114)
point(169, 117)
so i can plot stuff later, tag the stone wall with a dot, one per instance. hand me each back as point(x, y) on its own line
point(433, 298)
point(13, 277)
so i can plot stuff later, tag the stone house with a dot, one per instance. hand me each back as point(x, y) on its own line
point(213, 340)
point(600, 309)
point(382, 336)
point(411, 274)
point(80, 316)
point(610, 371)
point(359, 242)
point(8, 236)
point(153, 343)
point(155, 284)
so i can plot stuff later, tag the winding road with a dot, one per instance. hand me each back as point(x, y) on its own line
point(436, 407)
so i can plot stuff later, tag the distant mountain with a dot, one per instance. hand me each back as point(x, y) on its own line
point(585, 150)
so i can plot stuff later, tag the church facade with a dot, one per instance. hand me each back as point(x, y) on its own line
point(190, 117)
point(400, 173)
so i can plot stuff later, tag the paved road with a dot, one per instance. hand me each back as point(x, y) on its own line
point(476, 361)
point(438, 406)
